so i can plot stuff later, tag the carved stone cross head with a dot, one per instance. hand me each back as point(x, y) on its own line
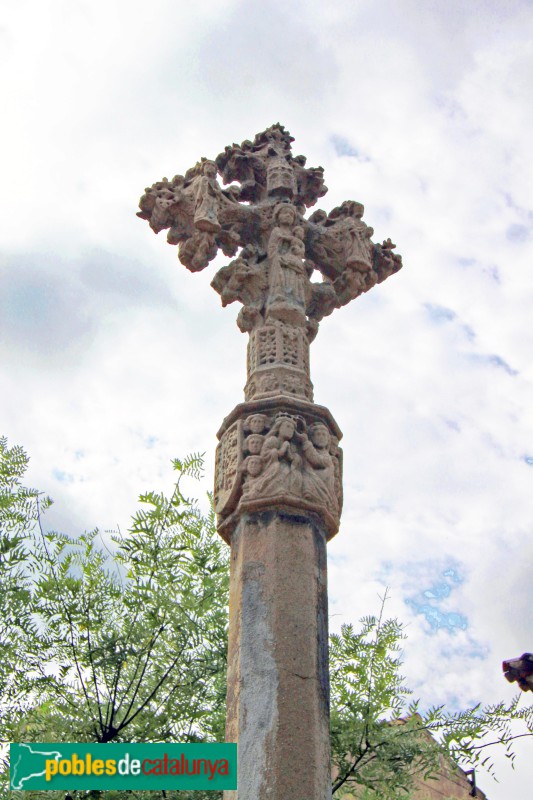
point(259, 222)
point(277, 450)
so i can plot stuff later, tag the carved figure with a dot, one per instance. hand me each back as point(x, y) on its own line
point(358, 245)
point(288, 277)
point(342, 240)
point(319, 467)
point(254, 466)
point(207, 192)
point(160, 212)
point(350, 285)
point(256, 423)
point(198, 251)
point(253, 443)
point(281, 462)
point(281, 180)
point(245, 281)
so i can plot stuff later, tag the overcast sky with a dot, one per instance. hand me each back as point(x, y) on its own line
point(116, 358)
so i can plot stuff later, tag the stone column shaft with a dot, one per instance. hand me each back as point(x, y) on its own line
point(278, 685)
point(278, 474)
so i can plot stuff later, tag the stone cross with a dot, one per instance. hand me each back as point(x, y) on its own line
point(278, 475)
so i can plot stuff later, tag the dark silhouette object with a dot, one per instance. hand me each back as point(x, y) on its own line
point(471, 773)
point(520, 670)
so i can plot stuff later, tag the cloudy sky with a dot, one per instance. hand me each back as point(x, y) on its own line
point(116, 359)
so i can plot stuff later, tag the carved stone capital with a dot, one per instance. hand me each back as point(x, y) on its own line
point(279, 454)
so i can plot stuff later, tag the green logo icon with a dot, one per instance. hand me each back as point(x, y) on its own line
point(123, 766)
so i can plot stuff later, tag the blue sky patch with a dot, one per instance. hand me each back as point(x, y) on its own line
point(63, 477)
point(453, 425)
point(438, 591)
point(344, 148)
point(493, 360)
point(453, 575)
point(493, 273)
point(518, 233)
point(440, 313)
point(427, 602)
point(451, 620)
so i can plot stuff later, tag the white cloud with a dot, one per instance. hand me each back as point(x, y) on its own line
point(118, 359)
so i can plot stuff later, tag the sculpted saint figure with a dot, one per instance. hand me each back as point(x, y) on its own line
point(352, 235)
point(281, 462)
point(245, 281)
point(207, 192)
point(318, 467)
point(359, 247)
point(160, 211)
point(281, 179)
point(288, 277)
point(252, 467)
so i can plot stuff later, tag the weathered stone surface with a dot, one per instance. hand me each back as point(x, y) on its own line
point(282, 454)
point(278, 477)
point(281, 249)
point(278, 362)
point(278, 685)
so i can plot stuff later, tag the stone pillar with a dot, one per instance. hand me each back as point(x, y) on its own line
point(278, 688)
point(278, 499)
point(278, 474)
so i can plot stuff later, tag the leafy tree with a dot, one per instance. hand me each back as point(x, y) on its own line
point(121, 645)
point(18, 522)
point(128, 643)
point(381, 739)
